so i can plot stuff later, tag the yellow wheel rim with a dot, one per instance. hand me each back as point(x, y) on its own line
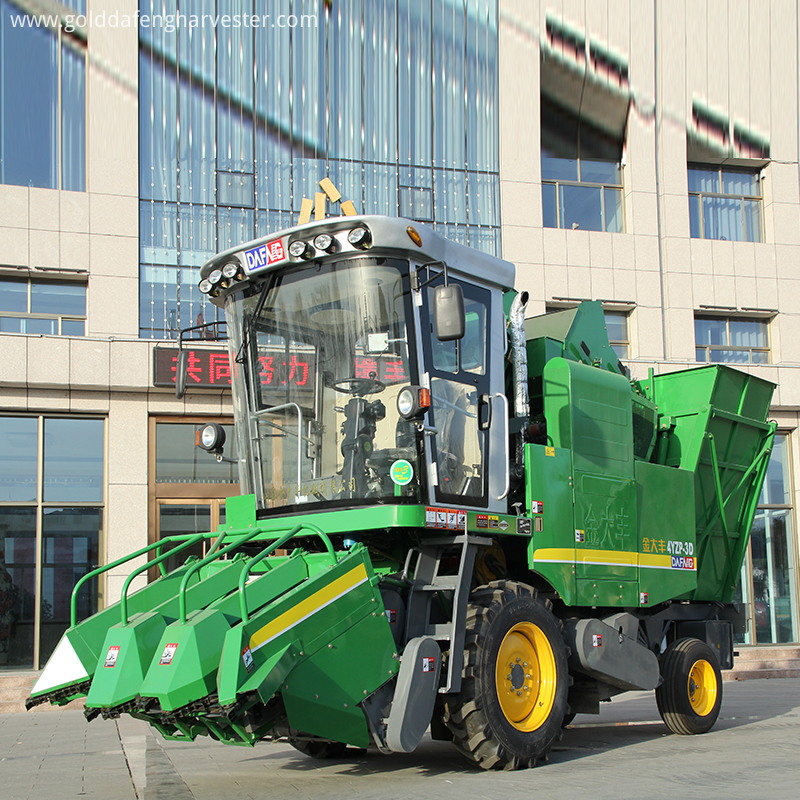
point(702, 688)
point(525, 676)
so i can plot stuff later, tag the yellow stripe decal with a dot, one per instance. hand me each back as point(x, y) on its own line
point(308, 607)
point(607, 558)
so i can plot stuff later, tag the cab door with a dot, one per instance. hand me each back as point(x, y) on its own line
point(468, 420)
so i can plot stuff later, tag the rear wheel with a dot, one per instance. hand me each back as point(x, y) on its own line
point(513, 696)
point(690, 697)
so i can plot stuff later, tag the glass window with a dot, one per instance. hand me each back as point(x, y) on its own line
point(42, 83)
point(773, 554)
point(724, 204)
point(180, 460)
point(581, 166)
point(51, 308)
point(617, 327)
point(733, 340)
point(235, 132)
point(35, 520)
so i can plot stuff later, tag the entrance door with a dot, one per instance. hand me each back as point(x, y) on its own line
point(179, 517)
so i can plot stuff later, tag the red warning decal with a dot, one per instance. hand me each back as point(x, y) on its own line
point(111, 657)
point(428, 663)
point(168, 654)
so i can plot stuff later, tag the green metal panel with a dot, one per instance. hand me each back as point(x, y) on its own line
point(713, 423)
point(551, 551)
point(666, 532)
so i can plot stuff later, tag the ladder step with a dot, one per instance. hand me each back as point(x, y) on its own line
point(435, 587)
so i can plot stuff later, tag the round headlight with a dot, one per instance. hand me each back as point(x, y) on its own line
point(359, 237)
point(212, 437)
point(406, 403)
point(205, 286)
point(323, 241)
point(230, 270)
point(215, 276)
point(298, 248)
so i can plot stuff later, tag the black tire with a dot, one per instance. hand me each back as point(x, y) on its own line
point(567, 721)
point(690, 696)
point(509, 720)
point(319, 748)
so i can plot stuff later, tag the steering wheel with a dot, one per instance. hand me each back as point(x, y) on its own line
point(358, 387)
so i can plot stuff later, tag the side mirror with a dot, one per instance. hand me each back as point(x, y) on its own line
point(180, 373)
point(449, 320)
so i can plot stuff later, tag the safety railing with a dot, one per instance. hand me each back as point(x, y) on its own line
point(186, 538)
point(271, 549)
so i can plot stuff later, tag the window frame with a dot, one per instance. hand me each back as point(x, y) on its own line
point(29, 280)
point(581, 127)
point(622, 343)
point(732, 348)
point(743, 198)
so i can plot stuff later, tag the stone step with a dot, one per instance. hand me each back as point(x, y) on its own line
point(745, 674)
point(779, 661)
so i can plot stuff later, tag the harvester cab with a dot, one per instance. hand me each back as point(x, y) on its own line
point(451, 517)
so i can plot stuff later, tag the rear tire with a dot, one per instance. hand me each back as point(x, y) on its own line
point(690, 697)
point(513, 695)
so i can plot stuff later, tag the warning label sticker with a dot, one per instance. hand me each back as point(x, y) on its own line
point(428, 663)
point(247, 657)
point(537, 507)
point(168, 655)
point(447, 519)
point(597, 640)
point(111, 656)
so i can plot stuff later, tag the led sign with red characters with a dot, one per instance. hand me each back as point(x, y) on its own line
point(387, 370)
point(211, 369)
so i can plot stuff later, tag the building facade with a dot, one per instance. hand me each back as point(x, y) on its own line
point(645, 155)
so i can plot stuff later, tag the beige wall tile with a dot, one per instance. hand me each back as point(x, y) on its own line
point(13, 398)
point(623, 251)
point(111, 310)
point(766, 261)
point(645, 214)
point(130, 365)
point(518, 202)
point(14, 349)
point(739, 63)
point(746, 294)
point(766, 294)
point(602, 283)
point(204, 402)
point(648, 333)
point(696, 55)
point(672, 151)
point(640, 173)
point(783, 62)
point(519, 106)
point(672, 52)
point(555, 247)
point(647, 254)
point(702, 290)
point(127, 439)
point(648, 289)
point(724, 290)
point(578, 248)
point(744, 259)
point(680, 340)
point(74, 211)
point(114, 215)
point(14, 247)
point(676, 215)
point(163, 401)
point(114, 256)
point(783, 182)
point(787, 261)
point(702, 261)
point(600, 249)
point(74, 250)
point(89, 402)
point(717, 33)
point(642, 49)
point(48, 361)
point(14, 206)
point(89, 364)
point(579, 282)
point(789, 296)
point(522, 244)
point(722, 257)
point(677, 255)
point(555, 282)
point(44, 248)
point(43, 209)
point(42, 400)
point(787, 223)
point(679, 291)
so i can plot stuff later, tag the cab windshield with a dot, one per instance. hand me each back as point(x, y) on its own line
point(321, 354)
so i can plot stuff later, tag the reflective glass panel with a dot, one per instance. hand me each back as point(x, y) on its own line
point(73, 460)
point(581, 207)
point(703, 180)
point(777, 484)
point(180, 460)
point(176, 520)
point(612, 199)
point(694, 217)
point(748, 333)
point(13, 295)
point(17, 586)
point(70, 549)
point(58, 298)
point(19, 445)
point(710, 331)
point(722, 218)
point(549, 210)
point(740, 183)
point(752, 220)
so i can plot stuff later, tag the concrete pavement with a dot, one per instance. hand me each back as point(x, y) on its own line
point(625, 752)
